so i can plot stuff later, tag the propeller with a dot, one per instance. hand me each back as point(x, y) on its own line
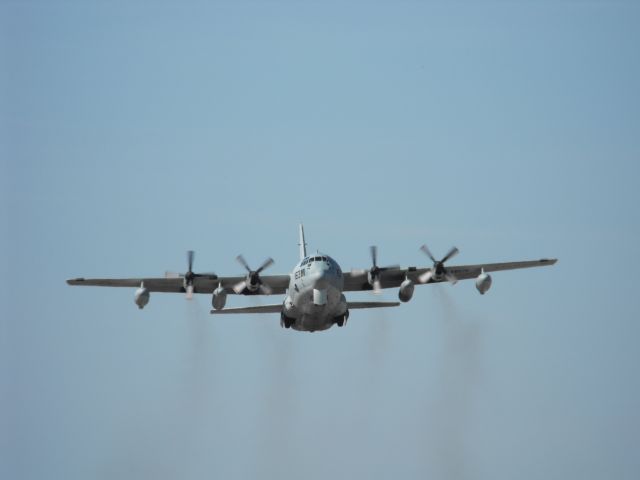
point(373, 274)
point(438, 270)
point(189, 276)
point(252, 281)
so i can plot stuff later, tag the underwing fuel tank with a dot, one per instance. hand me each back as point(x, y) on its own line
point(219, 298)
point(483, 283)
point(406, 290)
point(141, 297)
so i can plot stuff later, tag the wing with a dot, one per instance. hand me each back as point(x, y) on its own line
point(202, 284)
point(394, 277)
point(465, 272)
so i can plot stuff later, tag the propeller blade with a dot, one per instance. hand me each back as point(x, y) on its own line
point(426, 276)
point(239, 287)
point(358, 272)
point(172, 275)
point(265, 289)
point(189, 292)
point(266, 264)
point(374, 255)
point(377, 288)
point(426, 250)
point(451, 278)
point(452, 253)
point(190, 255)
point(243, 262)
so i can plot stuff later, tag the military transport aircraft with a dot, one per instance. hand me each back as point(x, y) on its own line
point(314, 290)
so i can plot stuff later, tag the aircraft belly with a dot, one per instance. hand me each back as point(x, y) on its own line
point(311, 317)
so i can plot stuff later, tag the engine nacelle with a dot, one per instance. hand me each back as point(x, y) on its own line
point(406, 290)
point(483, 283)
point(219, 298)
point(142, 297)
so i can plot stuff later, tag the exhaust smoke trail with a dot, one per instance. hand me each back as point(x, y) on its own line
point(160, 442)
point(456, 384)
point(200, 378)
point(377, 348)
point(278, 405)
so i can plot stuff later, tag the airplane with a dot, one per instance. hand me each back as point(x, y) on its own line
point(314, 291)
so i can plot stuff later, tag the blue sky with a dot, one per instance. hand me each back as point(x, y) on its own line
point(134, 131)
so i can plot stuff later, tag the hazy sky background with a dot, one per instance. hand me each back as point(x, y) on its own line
point(133, 131)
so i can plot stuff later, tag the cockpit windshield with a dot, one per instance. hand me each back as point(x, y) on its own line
point(309, 260)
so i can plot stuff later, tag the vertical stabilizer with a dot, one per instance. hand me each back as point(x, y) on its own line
point(302, 244)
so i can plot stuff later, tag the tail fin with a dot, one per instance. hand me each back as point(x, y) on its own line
point(302, 244)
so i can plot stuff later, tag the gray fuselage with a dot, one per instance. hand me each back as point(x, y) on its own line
point(314, 300)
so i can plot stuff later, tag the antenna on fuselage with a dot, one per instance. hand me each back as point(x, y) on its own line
point(302, 244)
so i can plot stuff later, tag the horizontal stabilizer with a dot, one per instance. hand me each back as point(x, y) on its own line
point(277, 308)
point(257, 309)
point(356, 305)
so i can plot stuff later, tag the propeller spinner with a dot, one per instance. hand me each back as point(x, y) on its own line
point(438, 271)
